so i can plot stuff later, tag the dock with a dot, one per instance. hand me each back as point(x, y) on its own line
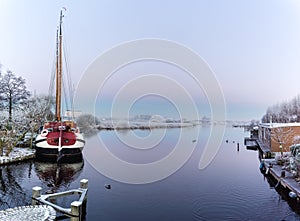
point(43, 207)
point(254, 143)
point(284, 178)
point(276, 165)
point(250, 143)
point(266, 151)
point(76, 209)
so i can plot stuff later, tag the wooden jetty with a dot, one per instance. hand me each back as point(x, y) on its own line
point(276, 168)
point(77, 208)
point(44, 210)
point(284, 178)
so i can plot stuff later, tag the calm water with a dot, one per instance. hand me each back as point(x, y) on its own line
point(230, 188)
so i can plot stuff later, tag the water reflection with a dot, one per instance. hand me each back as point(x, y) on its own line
point(283, 193)
point(230, 188)
point(17, 180)
point(55, 175)
point(12, 191)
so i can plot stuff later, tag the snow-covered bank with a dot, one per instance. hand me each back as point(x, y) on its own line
point(140, 125)
point(17, 154)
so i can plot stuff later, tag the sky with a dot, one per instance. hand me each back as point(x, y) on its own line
point(251, 46)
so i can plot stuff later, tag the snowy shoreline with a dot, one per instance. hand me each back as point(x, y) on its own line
point(123, 125)
point(17, 154)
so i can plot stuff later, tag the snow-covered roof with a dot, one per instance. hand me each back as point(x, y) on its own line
point(276, 125)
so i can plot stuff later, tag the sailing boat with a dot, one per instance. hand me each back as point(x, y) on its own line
point(59, 139)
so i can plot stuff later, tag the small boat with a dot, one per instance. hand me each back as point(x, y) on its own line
point(59, 139)
point(250, 143)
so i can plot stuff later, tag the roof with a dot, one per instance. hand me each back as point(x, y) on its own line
point(276, 125)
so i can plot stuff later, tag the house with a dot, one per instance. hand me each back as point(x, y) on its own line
point(70, 114)
point(279, 136)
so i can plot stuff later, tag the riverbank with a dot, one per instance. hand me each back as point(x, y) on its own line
point(17, 155)
point(124, 125)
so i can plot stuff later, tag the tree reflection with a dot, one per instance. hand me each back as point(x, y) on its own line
point(11, 190)
point(17, 180)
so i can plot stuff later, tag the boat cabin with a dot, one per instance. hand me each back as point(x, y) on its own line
point(279, 136)
point(67, 126)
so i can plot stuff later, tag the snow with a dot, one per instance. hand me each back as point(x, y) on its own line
point(17, 154)
point(37, 212)
point(275, 125)
point(142, 125)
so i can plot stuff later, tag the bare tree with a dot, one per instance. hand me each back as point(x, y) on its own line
point(282, 135)
point(35, 112)
point(38, 109)
point(12, 91)
point(27, 119)
point(88, 123)
point(296, 139)
point(284, 112)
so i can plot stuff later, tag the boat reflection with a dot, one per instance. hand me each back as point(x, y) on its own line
point(56, 176)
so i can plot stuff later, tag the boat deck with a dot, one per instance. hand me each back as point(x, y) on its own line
point(287, 181)
point(263, 148)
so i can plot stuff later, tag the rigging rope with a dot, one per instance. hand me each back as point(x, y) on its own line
point(51, 87)
point(70, 91)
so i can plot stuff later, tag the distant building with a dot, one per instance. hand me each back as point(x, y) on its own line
point(279, 136)
point(70, 114)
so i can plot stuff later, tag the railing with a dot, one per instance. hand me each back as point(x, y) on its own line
point(77, 208)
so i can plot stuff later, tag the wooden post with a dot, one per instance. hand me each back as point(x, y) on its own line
point(76, 211)
point(36, 192)
point(84, 185)
point(282, 173)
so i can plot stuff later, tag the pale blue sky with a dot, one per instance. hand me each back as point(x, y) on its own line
point(252, 46)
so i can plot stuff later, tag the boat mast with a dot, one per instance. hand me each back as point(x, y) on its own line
point(59, 69)
point(56, 77)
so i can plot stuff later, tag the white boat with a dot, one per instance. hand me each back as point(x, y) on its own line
point(59, 139)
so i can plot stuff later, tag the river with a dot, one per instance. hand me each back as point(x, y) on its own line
point(231, 187)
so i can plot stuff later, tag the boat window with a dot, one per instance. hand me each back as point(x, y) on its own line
point(61, 128)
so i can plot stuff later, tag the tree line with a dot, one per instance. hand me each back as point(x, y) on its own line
point(284, 112)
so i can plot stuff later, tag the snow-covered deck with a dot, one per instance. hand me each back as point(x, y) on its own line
point(17, 154)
